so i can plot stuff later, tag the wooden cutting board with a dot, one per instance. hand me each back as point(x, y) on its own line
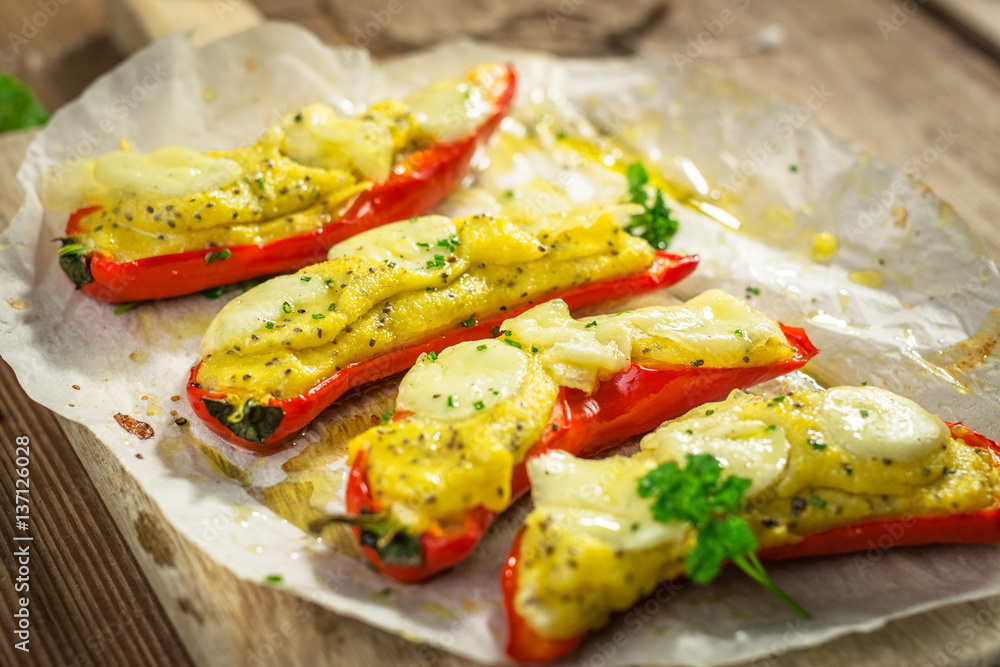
point(221, 620)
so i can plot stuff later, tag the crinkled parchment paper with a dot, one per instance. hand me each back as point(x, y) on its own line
point(776, 175)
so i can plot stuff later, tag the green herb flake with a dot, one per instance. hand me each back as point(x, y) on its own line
point(305, 279)
point(534, 350)
point(432, 356)
point(864, 413)
point(864, 384)
point(816, 444)
point(274, 579)
point(793, 168)
point(471, 322)
point(496, 331)
point(778, 399)
point(268, 325)
point(332, 307)
point(286, 308)
point(480, 347)
point(848, 469)
point(709, 412)
point(753, 290)
point(479, 405)
point(318, 316)
point(592, 324)
point(772, 427)
point(386, 417)
point(260, 183)
point(453, 401)
point(125, 307)
point(698, 495)
point(741, 333)
point(391, 264)
point(818, 502)
point(423, 245)
point(384, 593)
point(512, 343)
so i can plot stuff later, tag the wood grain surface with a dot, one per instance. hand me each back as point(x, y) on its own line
point(113, 584)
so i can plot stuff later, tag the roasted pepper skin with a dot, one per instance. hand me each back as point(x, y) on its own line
point(627, 404)
point(424, 179)
point(527, 646)
point(301, 409)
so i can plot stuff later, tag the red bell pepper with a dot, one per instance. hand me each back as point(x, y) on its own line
point(290, 415)
point(526, 645)
point(414, 187)
point(627, 404)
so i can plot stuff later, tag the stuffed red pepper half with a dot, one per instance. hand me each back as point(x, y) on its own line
point(425, 486)
point(747, 479)
point(174, 221)
point(279, 354)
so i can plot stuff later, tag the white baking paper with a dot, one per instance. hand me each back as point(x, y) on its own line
point(767, 164)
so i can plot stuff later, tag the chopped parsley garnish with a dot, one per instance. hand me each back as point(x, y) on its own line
point(220, 255)
point(452, 401)
point(864, 413)
point(305, 279)
point(437, 262)
point(432, 356)
point(391, 264)
point(386, 417)
point(772, 427)
point(655, 223)
point(274, 579)
point(512, 343)
point(479, 405)
point(778, 399)
point(423, 245)
point(19, 108)
point(318, 316)
point(268, 325)
point(260, 183)
point(793, 168)
point(592, 324)
point(818, 502)
point(480, 347)
point(709, 412)
point(534, 350)
point(125, 307)
point(450, 243)
point(471, 322)
point(753, 290)
point(697, 495)
point(816, 444)
point(741, 333)
point(332, 307)
point(864, 384)
point(286, 308)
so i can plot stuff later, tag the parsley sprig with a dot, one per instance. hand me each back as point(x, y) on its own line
point(654, 224)
point(696, 494)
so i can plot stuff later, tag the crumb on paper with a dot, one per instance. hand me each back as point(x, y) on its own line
point(77, 387)
point(900, 216)
point(251, 64)
point(20, 304)
point(139, 429)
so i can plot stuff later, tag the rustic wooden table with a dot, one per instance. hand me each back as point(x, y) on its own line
point(113, 585)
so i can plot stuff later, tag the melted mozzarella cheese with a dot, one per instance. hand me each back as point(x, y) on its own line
point(599, 498)
point(247, 313)
point(713, 324)
point(869, 421)
point(745, 447)
point(411, 244)
point(449, 110)
point(463, 380)
point(164, 173)
point(323, 139)
point(576, 354)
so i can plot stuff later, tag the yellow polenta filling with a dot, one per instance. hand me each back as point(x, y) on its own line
point(296, 178)
point(402, 284)
point(816, 460)
point(476, 410)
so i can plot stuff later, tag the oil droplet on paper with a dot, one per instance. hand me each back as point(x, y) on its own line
point(867, 278)
point(824, 246)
